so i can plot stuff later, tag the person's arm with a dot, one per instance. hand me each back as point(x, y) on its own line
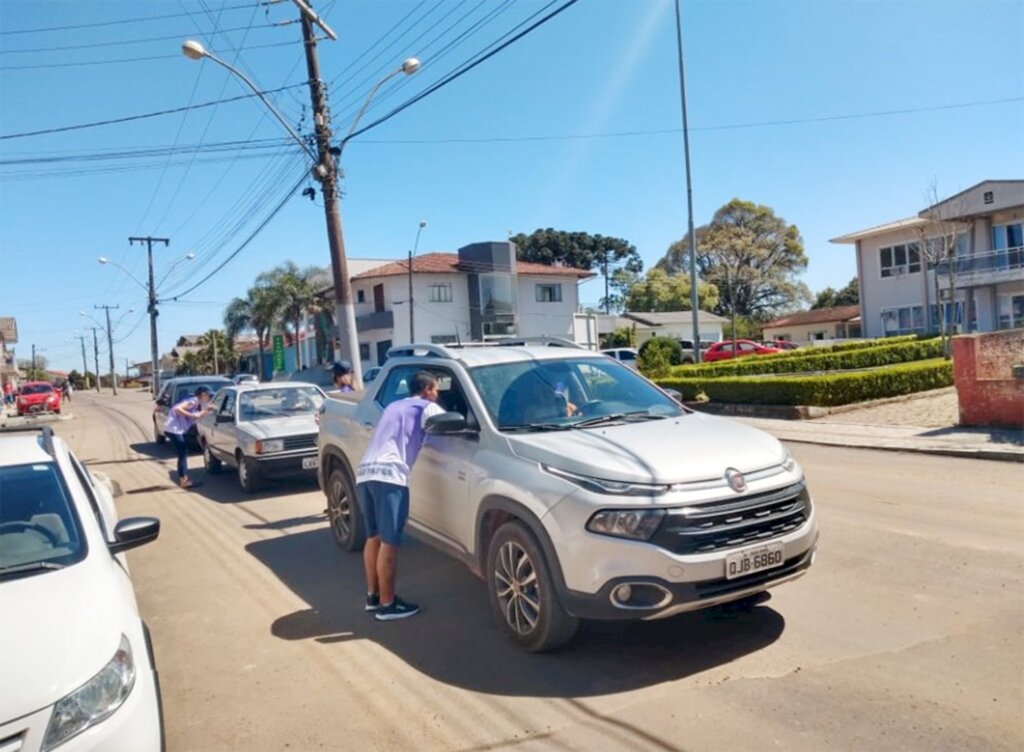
point(430, 411)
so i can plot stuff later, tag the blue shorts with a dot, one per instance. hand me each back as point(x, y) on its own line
point(385, 507)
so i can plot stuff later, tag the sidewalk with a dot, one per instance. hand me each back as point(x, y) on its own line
point(977, 443)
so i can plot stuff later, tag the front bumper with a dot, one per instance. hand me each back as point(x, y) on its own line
point(285, 464)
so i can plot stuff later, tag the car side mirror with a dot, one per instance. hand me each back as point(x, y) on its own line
point(132, 532)
point(163, 402)
point(446, 424)
point(675, 394)
point(222, 418)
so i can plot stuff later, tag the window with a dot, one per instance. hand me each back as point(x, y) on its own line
point(1011, 311)
point(903, 320)
point(449, 394)
point(548, 293)
point(378, 298)
point(499, 329)
point(36, 498)
point(360, 296)
point(900, 259)
point(364, 351)
point(441, 293)
point(497, 295)
point(228, 405)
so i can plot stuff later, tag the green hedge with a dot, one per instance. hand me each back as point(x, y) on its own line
point(813, 359)
point(824, 390)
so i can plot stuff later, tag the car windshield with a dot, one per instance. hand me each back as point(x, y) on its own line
point(38, 527)
point(36, 389)
point(568, 393)
point(187, 390)
point(279, 402)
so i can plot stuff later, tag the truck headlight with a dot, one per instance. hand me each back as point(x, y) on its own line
point(269, 445)
point(635, 524)
point(95, 700)
point(604, 486)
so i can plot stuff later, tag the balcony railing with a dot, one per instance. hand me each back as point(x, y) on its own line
point(376, 320)
point(1002, 260)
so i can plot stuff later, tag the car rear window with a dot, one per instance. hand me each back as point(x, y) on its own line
point(38, 524)
point(187, 390)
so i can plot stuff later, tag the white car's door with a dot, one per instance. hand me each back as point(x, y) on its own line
point(225, 425)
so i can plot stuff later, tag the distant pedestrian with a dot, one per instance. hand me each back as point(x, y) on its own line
point(8, 393)
point(179, 420)
point(65, 390)
point(341, 375)
point(382, 490)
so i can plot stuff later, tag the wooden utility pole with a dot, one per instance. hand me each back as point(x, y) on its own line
point(110, 346)
point(154, 353)
point(96, 358)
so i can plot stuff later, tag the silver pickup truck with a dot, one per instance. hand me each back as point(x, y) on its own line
point(578, 489)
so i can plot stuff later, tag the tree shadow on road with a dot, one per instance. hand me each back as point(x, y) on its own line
point(456, 639)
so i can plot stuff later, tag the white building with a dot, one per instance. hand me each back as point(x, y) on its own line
point(674, 324)
point(897, 285)
point(482, 292)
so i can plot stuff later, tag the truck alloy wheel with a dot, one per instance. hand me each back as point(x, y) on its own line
point(343, 512)
point(522, 593)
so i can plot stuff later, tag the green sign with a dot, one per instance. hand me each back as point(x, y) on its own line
point(278, 352)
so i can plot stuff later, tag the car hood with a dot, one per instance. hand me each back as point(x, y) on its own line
point(271, 428)
point(59, 629)
point(693, 447)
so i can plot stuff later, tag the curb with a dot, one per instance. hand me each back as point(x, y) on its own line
point(974, 454)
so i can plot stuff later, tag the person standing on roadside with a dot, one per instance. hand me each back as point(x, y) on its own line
point(382, 490)
point(179, 420)
point(8, 393)
point(341, 375)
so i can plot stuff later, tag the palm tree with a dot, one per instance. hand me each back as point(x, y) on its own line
point(189, 364)
point(256, 311)
point(217, 351)
point(293, 293)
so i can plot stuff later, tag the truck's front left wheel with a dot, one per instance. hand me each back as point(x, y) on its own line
point(522, 591)
point(343, 512)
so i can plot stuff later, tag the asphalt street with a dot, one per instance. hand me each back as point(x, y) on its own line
point(908, 634)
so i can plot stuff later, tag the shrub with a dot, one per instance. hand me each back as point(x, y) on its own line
point(811, 360)
point(824, 389)
point(671, 349)
point(624, 336)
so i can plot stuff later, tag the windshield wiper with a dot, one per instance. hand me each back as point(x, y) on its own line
point(30, 567)
point(615, 417)
point(538, 427)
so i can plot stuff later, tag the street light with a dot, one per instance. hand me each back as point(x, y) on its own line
point(412, 253)
point(325, 170)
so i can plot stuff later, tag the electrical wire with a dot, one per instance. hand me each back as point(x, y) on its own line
point(123, 42)
point(78, 63)
point(380, 39)
point(117, 22)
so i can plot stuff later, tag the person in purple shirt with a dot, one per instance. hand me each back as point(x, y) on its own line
point(382, 490)
point(180, 418)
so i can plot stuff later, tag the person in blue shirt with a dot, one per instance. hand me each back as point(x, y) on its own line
point(341, 374)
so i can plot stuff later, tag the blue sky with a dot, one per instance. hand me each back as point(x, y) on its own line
point(603, 66)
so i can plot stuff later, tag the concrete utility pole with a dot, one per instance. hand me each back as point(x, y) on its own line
point(154, 353)
point(85, 363)
point(110, 346)
point(96, 358)
point(326, 171)
point(689, 191)
point(412, 255)
point(33, 376)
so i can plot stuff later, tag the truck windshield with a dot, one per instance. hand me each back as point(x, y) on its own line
point(568, 393)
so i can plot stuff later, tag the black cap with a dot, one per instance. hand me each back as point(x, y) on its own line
point(203, 389)
point(341, 368)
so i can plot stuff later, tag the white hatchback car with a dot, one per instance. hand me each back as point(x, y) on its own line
point(75, 656)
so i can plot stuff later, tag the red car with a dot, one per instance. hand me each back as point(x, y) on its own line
point(726, 351)
point(37, 397)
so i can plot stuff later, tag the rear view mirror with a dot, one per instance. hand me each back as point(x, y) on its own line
point(134, 531)
point(446, 424)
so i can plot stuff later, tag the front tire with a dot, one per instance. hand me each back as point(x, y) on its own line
point(522, 592)
point(248, 474)
point(343, 512)
point(211, 463)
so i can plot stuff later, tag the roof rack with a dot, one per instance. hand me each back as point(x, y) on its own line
point(45, 430)
point(446, 351)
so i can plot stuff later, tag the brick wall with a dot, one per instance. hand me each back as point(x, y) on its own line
point(986, 389)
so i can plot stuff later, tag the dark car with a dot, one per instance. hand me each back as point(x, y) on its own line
point(174, 391)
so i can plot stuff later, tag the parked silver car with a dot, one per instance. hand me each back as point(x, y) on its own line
point(578, 489)
point(264, 430)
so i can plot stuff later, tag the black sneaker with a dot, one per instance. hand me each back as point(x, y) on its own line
point(372, 601)
point(397, 609)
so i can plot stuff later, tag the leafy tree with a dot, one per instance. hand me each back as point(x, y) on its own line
point(189, 364)
point(293, 294)
point(830, 298)
point(659, 291)
point(218, 351)
point(752, 256)
point(658, 354)
point(36, 372)
point(585, 251)
point(624, 336)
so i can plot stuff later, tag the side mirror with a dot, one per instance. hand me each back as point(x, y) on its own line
point(675, 394)
point(163, 402)
point(134, 531)
point(222, 418)
point(446, 424)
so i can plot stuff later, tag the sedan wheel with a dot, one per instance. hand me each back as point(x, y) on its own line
point(343, 512)
point(211, 463)
point(248, 474)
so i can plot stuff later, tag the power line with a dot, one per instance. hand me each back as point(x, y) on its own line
point(116, 61)
point(116, 22)
point(123, 42)
point(145, 115)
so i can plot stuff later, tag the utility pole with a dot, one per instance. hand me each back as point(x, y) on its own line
point(33, 376)
point(689, 193)
point(326, 171)
point(154, 354)
point(110, 346)
point(85, 363)
point(216, 369)
point(412, 254)
point(604, 261)
point(96, 358)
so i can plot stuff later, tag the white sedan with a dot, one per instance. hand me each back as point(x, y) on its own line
point(75, 657)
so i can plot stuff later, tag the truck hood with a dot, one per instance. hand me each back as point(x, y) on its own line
point(60, 628)
point(693, 447)
point(273, 428)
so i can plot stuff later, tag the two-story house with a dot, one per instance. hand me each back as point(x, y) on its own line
point(897, 282)
point(482, 292)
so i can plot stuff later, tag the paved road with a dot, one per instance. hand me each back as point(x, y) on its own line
point(908, 634)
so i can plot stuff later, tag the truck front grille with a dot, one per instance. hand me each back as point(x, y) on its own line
point(730, 523)
point(305, 441)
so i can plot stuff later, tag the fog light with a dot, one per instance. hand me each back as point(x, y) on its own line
point(623, 593)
